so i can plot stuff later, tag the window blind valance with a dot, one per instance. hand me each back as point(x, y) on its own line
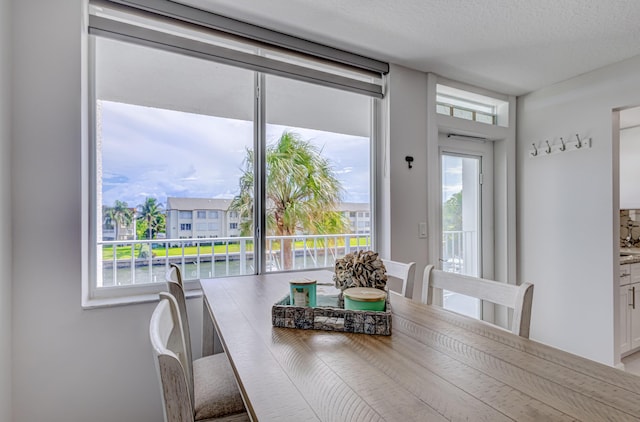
point(269, 51)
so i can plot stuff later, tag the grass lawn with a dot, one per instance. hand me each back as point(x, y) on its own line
point(124, 252)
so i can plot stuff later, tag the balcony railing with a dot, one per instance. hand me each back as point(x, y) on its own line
point(459, 251)
point(146, 261)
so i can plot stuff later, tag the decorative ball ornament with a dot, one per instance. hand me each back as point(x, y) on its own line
point(360, 269)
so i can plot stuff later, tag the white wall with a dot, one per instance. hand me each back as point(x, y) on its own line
point(568, 209)
point(69, 364)
point(407, 187)
point(629, 168)
point(5, 212)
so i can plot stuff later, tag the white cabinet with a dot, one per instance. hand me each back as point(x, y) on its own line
point(625, 274)
point(629, 317)
point(635, 316)
point(623, 327)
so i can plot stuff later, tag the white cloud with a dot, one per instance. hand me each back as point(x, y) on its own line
point(160, 153)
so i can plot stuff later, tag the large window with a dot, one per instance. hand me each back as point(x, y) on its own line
point(168, 125)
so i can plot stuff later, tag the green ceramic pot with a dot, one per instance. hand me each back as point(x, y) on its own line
point(364, 299)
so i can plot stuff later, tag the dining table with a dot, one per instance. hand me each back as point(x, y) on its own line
point(435, 365)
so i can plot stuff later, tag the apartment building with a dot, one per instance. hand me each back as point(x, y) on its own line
point(199, 218)
point(358, 215)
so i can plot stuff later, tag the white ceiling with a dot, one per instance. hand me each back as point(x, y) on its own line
point(509, 46)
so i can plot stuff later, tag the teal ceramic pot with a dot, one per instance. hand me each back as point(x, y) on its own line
point(302, 292)
point(364, 299)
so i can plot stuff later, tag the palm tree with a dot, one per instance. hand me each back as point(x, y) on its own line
point(302, 192)
point(151, 212)
point(120, 214)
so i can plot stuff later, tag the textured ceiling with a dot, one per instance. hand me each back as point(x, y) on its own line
point(510, 46)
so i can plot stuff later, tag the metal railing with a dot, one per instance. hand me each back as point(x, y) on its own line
point(459, 251)
point(125, 262)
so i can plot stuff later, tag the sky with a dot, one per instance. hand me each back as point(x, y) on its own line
point(151, 152)
point(451, 176)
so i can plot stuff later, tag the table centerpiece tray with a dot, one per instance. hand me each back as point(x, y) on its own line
point(329, 315)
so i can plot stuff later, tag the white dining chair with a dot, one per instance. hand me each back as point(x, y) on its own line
point(405, 272)
point(211, 395)
point(173, 278)
point(519, 298)
point(174, 274)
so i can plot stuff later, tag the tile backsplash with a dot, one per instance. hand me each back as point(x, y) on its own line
point(630, 228)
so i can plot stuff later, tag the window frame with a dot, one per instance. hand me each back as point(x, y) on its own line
point(94, 296)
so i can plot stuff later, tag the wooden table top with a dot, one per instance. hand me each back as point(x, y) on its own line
point(435, 366)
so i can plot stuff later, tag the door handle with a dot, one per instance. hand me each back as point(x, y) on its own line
point(633, 295)
point(630, 291)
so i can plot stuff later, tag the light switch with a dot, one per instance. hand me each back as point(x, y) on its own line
point(422, 230)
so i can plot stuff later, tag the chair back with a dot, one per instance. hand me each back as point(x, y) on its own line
point(518, 298)
point(174, 274)
point(168, 343)
point(404, 272)
point(176, 289)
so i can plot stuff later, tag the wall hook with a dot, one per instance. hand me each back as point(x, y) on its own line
point(563, 146)
point(579, 144)
point(535, 150)
point(548, 150)
point(409, 160)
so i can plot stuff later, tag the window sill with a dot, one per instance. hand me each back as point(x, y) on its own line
point(97, 303)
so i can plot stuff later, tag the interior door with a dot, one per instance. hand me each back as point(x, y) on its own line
point(467, 218)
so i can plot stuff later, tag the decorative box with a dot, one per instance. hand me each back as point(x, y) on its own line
point(331, 318)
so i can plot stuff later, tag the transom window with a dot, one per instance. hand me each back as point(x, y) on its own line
point(458, 107)
point(471, 106)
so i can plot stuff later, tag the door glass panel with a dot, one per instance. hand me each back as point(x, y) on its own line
point(461, 218)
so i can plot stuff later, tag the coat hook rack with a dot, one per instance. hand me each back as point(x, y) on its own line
point(554, 146)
